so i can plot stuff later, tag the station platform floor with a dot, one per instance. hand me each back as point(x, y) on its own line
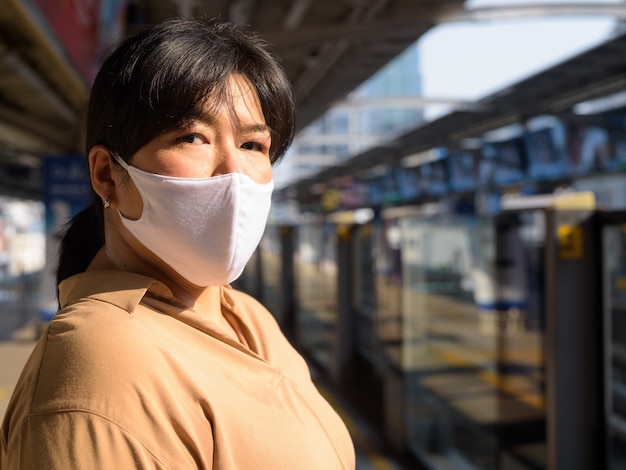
point(371, 452)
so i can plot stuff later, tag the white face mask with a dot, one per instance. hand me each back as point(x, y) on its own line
point(206, 229)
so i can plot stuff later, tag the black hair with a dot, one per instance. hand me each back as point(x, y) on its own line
point(159, 80)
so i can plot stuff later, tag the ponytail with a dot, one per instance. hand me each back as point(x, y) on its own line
point(82, 238)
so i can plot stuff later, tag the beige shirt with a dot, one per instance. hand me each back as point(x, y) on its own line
point(125, 377)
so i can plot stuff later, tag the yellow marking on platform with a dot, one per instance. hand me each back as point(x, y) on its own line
point(493, 379)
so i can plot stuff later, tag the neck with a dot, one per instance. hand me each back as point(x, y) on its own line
point(206, 300)
point(201, 299)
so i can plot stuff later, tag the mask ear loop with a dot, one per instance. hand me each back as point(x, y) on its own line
point(119, 159)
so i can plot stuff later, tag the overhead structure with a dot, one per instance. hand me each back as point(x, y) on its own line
point(516, 11)
point(591, 75)
point(42, 99)
point(327, 48)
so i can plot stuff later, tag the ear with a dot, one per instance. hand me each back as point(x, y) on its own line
point(101, 172)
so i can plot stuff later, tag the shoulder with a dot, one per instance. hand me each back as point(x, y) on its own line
point(93, 352)
point(99, 367)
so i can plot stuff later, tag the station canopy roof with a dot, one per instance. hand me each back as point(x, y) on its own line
point(328, 48)
point(595, 73)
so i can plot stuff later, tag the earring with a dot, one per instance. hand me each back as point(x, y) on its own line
point(107, 202)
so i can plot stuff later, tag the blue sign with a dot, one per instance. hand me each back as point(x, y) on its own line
point(65, 189)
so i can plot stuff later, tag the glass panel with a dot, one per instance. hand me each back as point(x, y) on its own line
point(271, 269)
point(473, 355)
point(262, 276)
point(388, 279)
point(316, 289)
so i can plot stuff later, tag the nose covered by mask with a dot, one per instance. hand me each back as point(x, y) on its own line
point(206, 229)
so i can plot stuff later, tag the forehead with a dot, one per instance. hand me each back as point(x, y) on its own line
point(237, 97)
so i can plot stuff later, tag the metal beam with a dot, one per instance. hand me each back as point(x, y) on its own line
point(58, 70)
point(295, 15)
point(536, 10)
point(292, 43)
point(25, 140)
point(26, 73)
point(404, 102)
point(186, 7)
point(42, 135)
point(240, 11)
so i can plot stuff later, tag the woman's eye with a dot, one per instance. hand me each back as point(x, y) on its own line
point(191, 139)
point(255, 146)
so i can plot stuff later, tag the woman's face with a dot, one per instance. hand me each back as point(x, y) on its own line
point(230, 138)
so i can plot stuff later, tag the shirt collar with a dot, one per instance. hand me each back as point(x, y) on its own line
point(122, 289)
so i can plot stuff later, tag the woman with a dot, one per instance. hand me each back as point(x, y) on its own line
point(153, 361)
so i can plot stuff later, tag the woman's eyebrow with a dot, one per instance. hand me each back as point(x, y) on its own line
point(256, 128)
point(210, 120)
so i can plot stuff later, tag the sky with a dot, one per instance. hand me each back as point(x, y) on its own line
point(470, 60)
